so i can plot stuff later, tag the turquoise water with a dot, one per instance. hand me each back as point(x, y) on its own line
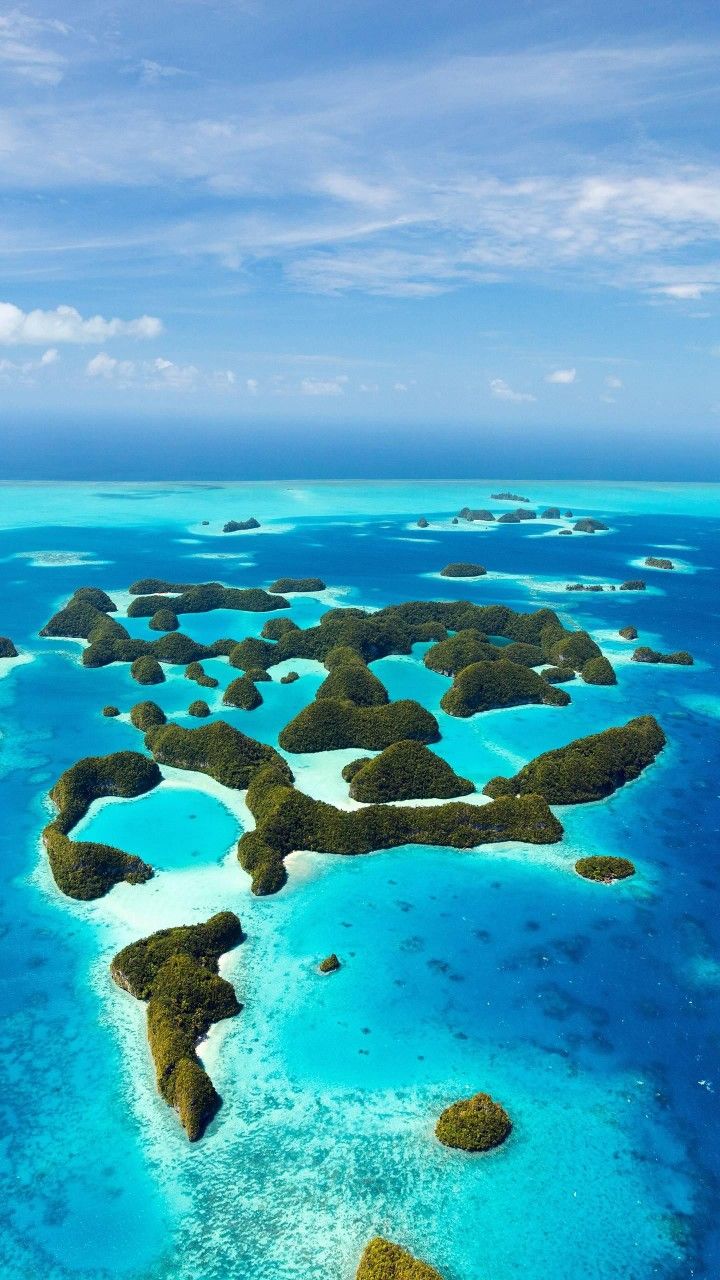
point(591, 1012)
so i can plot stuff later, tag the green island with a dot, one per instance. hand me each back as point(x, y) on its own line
point(328, 724)
point(508, 497)
point(681, 657)
point(558, 675)
point(195, 671)
point(588, 524)
point(286, 819)
point(241, 526)
point(145, 715)
point(488, 686)
point(404, 771)
point(383, 1260)
point(276, 628)
point(658, 562)
point(463, 569)
point(584, 586)
point(550, 513)
point(199, 708)
point(604, 868)
point(598, 671)
point(330, 964)
point(241, 693)
point(422, 523)
point(164, 620)
point(175, 971)
point(203, 597)
point(111, 711)
point(147, 670)
point(628, 633)
point(81, 868)
point(633, 584)
point(516, 517)
point(473, 1124)
point(281, 585)
point(589, 768)
point(476, 513)
point(290, 677)
point(217, 749)
point(351, 679)
point(252, 653)
point(7, 648)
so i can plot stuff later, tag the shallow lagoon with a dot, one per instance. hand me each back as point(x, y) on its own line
point(587, 1010)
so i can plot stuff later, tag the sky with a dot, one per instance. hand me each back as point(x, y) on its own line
point(497, 220)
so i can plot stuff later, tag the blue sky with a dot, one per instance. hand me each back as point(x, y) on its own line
point(476, 214)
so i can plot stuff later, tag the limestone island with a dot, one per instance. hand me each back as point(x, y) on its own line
point(515, 517)
point(598, 671)
point(550, 513)
point(658, 562)
point(404, 771)
point(175, 971)
point(476, 513)
point(604, 869)
point(147, 670)
point(290, 677)
point(681, 657)
point(422, 523)
point(281, 585)
point(146, 715)
point(7, 648)
point(488, 686)
point(195, 671)
point(241, 693)
point(199, 708)
point(110, 711)
point(382, 1260)
point(628, 633)
point(164, 620)
point(81, 868)
point(558, 675)
point(633, 584)
point(588, 524)
point(463, 569)
point(589, 768)
point(508, 497)
point(329, 724)
point(241, 526)
point(473, 1124)
point(330, 964)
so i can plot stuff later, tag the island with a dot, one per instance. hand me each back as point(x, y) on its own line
point(589, 768)
point(199, 708)
point(111, 711)
point(195, 671)
point(203, 597)
point(422, 523)
point(550, 513)
point(604, 869)
point(681, 657)
point(276, 628)
point(658, 562)
point(290, 677)
point(598, 671)
point(473, 1124)
point(242, 693)
point(83, 869)
point(351, 679)
point(406, 770)
point(241, 526)
point(515, 517)
point(283, 585)
point(558, 675)
point(145, 715)
point(488, 686)
point(476, 513)
point(252, 653)
point(588, 524)
point(331, 723)
point(147, 670)
point(330, 964)
point(175, 971)
point(7, 648)
point(164, 620)
point(508, 497)
point(382, 1260)
point(628, 633)
point(217, 749)
point(633, 584)
point(463, 569)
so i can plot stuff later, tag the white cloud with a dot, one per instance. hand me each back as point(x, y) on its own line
point(51, 356)
point(561, 377)
point(501, 391)
point(12, 370)
point(326, 387)
point(152, 72)
point(104, 366)
point(160, 374)
point(613, 382)
point(252, 385)
point(686, 292)
point(23, 47)
point(65, 324)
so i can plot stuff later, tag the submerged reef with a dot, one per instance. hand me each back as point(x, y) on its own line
point(658, 562)
point(588, 768)
point(81, 868)
point(588, 524)
point(405, 771)
point(282, 585)
point(241, 526)
point(241, 693)
point(473, 1124)
point(680, 658)
point(287, 819)
point(487, 686)
point(7, 648)
point(382, 1260)
point(463, 569)
point(176, 972)
point(604, 869)
point(330, 964)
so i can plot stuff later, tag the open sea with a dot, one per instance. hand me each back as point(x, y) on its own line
point(590, 1011)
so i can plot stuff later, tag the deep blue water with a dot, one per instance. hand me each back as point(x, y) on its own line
point(592, 1012)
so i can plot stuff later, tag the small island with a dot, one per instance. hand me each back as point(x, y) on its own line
point(588, 768)
point(463, 569)
point(598, 671)
point(241, 526)
point(164, 620)
point(296, 585)
point(382, 1260)
point(290, 677)
point(488, 686)
point(7, 648)
point(195, 671)
point(658, 562)
point(111, 711)
point(515, 517)
point(558, 675)
point(550, 513)
point(628, 633)
point(352, 680)
point(175, 971)
point(476, 513)
point(474, 1124)
point(199, 708)
point(604, 869)
point(331, 723)
point(588, 524)
point(681, 657)
point(404, 771)
point(330, 964)
point(242, 693)
point(633, 584)
point(422, 523)
point(508, 497)
point(145, 715)
point(147, 670)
